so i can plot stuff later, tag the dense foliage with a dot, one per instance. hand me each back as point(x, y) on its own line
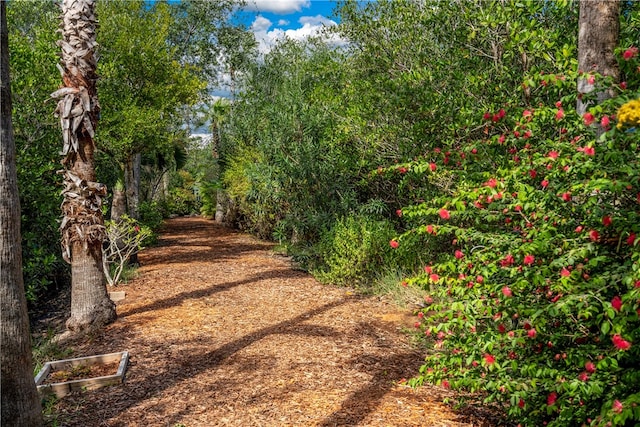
point(442, 142)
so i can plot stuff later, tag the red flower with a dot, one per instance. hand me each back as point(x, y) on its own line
point(434, 277)
point(532, 333)
point(590, 367)
point(492, 182)
point(617, 406)
point(428, 269)
point(579, 229)
point(507, 261)
point(527, 134)
point(444, 214)
point(529, 259)
point(527, 113)
point(605, 122)
point(433, 167)
point(402, 169)
point(551, 399)
point(487, 116)
point(533, 173)
point(558, 104)
point(501, 139)
point(553, 154)
point(591, 79)
point(631, 239)
point(589, 151)
point(566, 196)
point(521, 403)
point(501, 328)
point(489, 359)
point(445, 384)
point(565, 272)
point(588, 119)
point(506, 291)
point(399, 212)
point(623, 85)
point(560, 114)
point(594, 235)
point(501, 113)
point(544, 183)
point(620, 343)
point(616, 303)
point(459, 254)
point(583, 376)
point(394, 243)
point(630, 53)
point(606, 220)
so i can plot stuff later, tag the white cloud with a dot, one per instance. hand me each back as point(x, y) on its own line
point(311, 26)
point(280, 7)
point(283, 23)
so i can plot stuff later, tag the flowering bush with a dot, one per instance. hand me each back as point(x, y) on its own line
point(124, 238)
point(536, 303)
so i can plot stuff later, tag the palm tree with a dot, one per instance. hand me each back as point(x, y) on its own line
point(82, 227)
point(20, 401)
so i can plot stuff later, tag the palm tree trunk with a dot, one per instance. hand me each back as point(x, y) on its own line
point(20, 403)
point(599, 28)
point(82, 225)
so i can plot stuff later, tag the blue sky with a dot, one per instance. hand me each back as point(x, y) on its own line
point(273, 19)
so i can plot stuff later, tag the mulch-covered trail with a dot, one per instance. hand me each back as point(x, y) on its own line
point(223, 332)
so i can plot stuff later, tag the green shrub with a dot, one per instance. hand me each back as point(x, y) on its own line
point(535, 301)
point(353, 250)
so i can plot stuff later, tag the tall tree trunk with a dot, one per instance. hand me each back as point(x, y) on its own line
point(132, 184)
point(599, 28)
point(119, 202)
point(82, 225)
point(20, 403)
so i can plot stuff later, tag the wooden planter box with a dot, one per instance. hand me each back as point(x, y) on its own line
point(62, 388)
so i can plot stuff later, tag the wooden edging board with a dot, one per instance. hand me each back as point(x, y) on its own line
point(64, 388)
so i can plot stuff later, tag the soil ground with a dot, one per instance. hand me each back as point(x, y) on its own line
point(221, 331)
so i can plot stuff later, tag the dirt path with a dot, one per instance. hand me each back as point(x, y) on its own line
point(223, 332)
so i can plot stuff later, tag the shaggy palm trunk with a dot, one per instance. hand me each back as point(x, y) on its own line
point(599, 28)
point(20, 403)
point(82, 225)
